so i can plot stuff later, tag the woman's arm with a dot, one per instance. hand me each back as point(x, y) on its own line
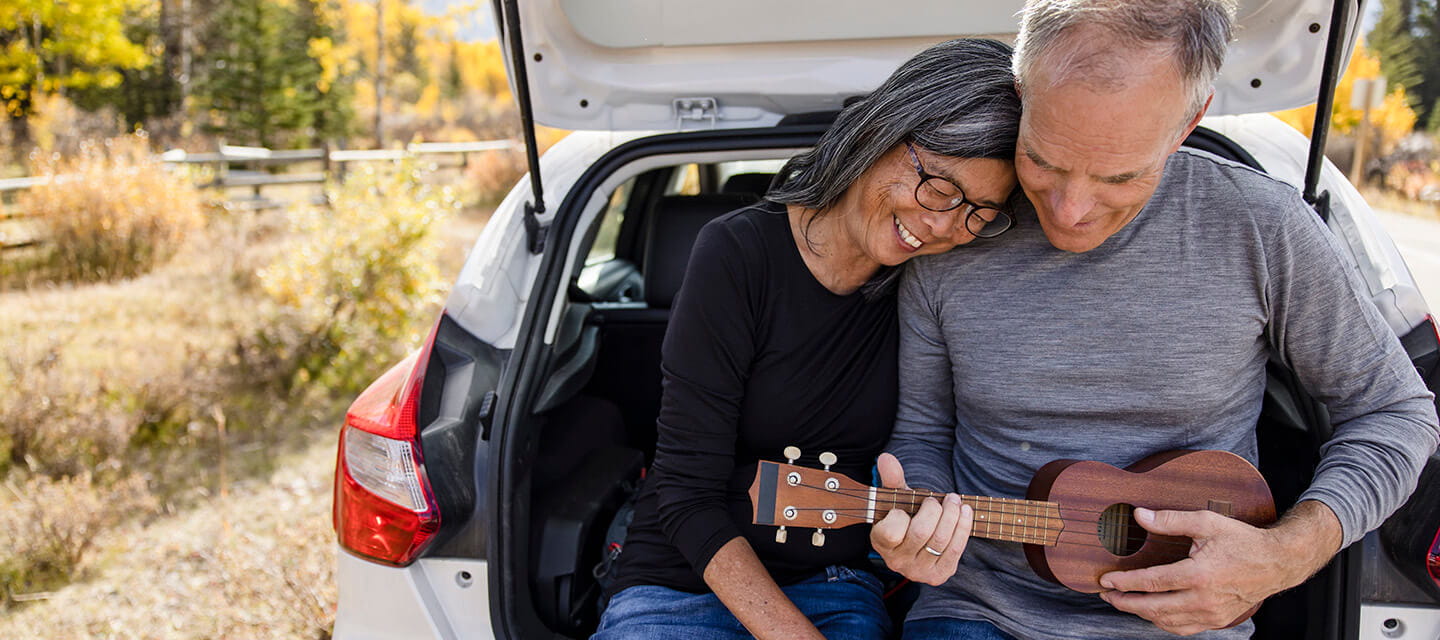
point(709, 349)
point(742, 583)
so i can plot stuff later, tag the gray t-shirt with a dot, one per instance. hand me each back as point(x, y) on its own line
point(1014, 353)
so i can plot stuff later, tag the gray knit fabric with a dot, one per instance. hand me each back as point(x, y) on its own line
point(1014, 353)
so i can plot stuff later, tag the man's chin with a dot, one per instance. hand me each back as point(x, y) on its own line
point(1072, 242)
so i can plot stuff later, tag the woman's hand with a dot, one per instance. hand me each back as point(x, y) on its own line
point(927, 547)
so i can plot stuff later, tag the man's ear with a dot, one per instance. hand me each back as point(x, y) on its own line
point(1194, 122)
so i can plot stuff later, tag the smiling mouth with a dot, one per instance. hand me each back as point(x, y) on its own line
point(907, 237)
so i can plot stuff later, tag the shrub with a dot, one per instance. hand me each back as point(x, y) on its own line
point(112, 211)
point(344, 292)
point(491, 175)
point(47, 526)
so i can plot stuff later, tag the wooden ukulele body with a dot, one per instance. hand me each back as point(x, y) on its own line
point(1096, 499)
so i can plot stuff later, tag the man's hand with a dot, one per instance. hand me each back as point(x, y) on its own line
point(927, 547)
point(1232, 566)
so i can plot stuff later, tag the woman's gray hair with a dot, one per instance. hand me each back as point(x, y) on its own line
point(1194, 33)
point(956, 99)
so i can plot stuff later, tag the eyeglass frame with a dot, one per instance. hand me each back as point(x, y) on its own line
point(975, 207)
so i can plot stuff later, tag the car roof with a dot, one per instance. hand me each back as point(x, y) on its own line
point(624, 65)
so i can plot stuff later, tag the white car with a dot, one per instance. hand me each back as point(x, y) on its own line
point(479, 479)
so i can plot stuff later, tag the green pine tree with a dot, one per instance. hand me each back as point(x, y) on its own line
point(257, 73)
point(454, 86)
point(1393, 41)
point(332, 94)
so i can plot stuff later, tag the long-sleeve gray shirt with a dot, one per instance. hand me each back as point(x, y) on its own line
point(1014, 353)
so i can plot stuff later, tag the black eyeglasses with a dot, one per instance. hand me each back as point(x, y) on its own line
point(940, 194)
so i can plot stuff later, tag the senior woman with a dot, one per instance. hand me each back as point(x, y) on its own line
point(784, 333)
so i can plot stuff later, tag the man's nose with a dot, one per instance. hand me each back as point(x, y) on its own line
point(1071, 201)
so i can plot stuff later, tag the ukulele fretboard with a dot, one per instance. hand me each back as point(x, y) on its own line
point(1005, 519)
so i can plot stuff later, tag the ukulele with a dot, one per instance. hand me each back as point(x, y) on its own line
point(1076, 524)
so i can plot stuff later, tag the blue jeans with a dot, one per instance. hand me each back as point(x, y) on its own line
point(952, 629)
point(843, 603)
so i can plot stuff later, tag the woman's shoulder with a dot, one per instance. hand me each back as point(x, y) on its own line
point(749, 232)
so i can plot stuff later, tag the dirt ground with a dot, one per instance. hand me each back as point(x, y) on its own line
point(253, 559)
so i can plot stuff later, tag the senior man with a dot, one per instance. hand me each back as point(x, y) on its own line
point(1132, 311)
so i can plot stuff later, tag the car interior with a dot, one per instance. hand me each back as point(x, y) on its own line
point(602, 393)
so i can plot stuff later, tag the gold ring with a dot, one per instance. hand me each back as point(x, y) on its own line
point(932, 551)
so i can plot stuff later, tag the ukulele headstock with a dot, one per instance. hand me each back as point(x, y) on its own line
point(788, 495)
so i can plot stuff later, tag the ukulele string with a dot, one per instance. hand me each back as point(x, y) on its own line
point(922, 494)
point(1037, 538)
point(848, 493)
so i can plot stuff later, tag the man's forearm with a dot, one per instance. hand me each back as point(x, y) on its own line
point(1310, 535)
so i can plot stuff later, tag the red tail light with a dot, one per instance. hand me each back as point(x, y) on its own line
point(385, 509)
point(1432, 560)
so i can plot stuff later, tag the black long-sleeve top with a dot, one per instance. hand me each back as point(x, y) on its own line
point(758, 356)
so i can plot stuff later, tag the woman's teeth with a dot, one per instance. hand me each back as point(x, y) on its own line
point(908, 237)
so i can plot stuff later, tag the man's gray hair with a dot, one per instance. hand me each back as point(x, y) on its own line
point(955, 99)
point(1194, 33)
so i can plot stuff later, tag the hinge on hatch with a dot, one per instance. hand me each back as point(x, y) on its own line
point(696, 109)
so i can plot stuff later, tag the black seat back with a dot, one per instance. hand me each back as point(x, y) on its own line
point(628, 370)
point(670, 234)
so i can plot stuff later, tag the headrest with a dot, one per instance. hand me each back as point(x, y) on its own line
point(671, 233)
point(756, 183)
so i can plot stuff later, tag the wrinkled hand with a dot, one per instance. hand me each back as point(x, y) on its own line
point(1232, 568)
point(902, 540)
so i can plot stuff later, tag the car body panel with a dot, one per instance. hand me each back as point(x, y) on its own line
point(432, 598)
point(1379, 622)
point(651, 65)
point(495, 282)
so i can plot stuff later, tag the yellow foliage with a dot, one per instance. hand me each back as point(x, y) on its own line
point(429, 100)
point(482, 69)
point(1392, 120)
point(350, 278)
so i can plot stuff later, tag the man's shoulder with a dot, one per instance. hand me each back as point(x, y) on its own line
point(1206, 180)
point(1203, 167)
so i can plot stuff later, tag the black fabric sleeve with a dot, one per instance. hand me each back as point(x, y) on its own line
point(705, 359)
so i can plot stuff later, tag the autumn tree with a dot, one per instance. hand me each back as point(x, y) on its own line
point(50, 46)
point(1392, 119)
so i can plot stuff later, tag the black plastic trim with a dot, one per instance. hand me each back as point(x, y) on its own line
point(1212, 141)
point(460, 375)
point(1407, 535)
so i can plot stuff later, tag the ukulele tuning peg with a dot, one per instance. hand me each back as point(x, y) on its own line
point(792, 453)
point(818, 538)
point(828, 459)
point(780, 535)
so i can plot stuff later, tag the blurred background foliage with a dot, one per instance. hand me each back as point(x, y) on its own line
point(273, 73)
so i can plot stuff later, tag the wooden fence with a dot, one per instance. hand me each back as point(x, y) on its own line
point(248, 168)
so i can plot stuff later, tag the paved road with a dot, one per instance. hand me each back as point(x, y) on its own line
point(1419, 241)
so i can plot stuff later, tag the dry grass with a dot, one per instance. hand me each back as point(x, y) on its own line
point(155, 474)
point(257, 563)
point(112, 211)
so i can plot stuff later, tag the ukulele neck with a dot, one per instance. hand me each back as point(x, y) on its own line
point(1004, 519)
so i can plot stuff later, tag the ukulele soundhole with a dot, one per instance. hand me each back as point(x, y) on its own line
point(1119, 531)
